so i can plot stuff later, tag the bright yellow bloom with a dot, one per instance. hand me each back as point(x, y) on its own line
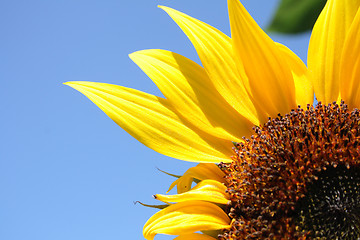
point(242, 82)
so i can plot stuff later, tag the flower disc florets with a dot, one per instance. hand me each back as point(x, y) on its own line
point(297, 177)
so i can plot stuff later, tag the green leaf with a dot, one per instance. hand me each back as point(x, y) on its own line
point(295, 16)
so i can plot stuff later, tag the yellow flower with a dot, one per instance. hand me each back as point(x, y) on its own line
point(297, 176)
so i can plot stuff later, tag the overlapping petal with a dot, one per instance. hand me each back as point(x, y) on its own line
point(152, 121)
point(269, 79)
point(207, 190)
point(304, 91)
point(185, 218)
point(200, 172)
point(216, 54)
point(326, 46)
point(188, 88)
point(350, 65)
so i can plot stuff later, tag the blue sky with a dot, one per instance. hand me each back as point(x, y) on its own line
point(66, 170)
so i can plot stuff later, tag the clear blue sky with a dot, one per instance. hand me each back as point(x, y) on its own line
point(66, 170)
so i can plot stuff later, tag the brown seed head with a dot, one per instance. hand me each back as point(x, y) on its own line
point(273, 174)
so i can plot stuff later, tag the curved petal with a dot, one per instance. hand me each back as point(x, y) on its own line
point(207, 190)
point(185, 218)
point(188, 88)
point(326, 45)
point(183, 184)
point(194, 236)
point(350, 66)
point(215, 51)
point(304, 91)
point(201, 171)
point(151, 121)
point(269, 79)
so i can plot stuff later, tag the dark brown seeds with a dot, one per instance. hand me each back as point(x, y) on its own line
point(281, 178)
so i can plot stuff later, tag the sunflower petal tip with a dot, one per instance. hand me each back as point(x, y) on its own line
point(136, 54)
point(168, 10)
point(131, 55)
point(71, 83)
point(74, 83)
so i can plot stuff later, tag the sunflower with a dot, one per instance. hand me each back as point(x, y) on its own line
point(271, 165)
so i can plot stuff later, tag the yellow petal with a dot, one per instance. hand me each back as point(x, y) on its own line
point(200, 172)
point(151, 121)
point(350, 66)
point(183, 184)
point(185, 218)
point(190, 91)
point(215, 51)
point(194, 236)
point(207, 190)
point(270, 80)
point(326, 45)
point(304, 91)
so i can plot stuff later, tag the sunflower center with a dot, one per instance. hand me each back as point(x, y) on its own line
point(331, 207)
point(297, 177)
